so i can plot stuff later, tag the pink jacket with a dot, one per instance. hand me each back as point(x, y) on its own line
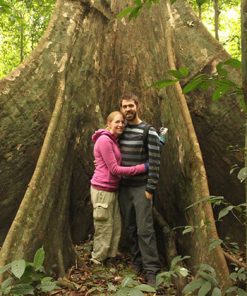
point(108, 158)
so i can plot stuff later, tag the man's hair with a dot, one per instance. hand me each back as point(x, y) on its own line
point(129, 96)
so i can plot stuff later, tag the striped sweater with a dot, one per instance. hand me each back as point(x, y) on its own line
point(133, 153)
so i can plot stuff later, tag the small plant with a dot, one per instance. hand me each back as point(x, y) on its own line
point(205, 282)
point(131, 287)
point(26, 278)
point(239, 276)
point(175, 271)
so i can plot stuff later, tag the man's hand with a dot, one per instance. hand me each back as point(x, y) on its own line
point(149, 195)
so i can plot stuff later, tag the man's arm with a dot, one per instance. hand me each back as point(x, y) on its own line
point(154, 162)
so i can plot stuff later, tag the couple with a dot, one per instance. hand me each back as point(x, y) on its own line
point(138, 169)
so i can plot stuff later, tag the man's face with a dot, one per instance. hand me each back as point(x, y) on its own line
point(129, 109)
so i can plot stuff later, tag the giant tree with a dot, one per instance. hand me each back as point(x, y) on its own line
point(53, 101)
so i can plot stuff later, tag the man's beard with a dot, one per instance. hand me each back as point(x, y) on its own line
point(130, 116)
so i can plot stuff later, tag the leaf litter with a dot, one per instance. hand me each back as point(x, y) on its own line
point(86, 278)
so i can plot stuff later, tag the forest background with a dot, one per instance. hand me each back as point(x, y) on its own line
point(22, 23)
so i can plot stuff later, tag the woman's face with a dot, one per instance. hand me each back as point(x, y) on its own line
point(116, 126)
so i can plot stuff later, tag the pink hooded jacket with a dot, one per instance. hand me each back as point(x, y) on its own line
point(108, 158)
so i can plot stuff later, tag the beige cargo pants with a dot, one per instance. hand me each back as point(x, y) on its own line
point(107, 224)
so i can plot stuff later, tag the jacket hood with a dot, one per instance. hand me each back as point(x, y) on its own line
point(101, 132)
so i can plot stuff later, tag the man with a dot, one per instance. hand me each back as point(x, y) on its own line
point(136, 192)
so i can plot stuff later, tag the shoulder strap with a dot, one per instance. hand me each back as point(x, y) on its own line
point(145, 136)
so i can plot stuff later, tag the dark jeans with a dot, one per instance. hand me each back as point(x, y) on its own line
point(137, 215)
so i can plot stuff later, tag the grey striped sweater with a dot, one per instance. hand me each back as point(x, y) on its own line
point(133, 152)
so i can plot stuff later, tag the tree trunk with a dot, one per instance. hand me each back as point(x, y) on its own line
point(219, 124)
point(244, 86)
point(56, 98)
point(216, 19)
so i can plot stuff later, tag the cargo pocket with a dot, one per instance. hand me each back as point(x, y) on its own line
point(100, 212)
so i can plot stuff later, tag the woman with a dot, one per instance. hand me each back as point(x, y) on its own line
point(104, 187)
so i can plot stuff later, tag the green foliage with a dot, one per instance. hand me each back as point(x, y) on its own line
point(229, 22)
point(133, 11)
point(214, 243)
point(26, 278)
point(238, 276)
point(201, 2)
point(218, 82)
point(204, 282)
point(176, 270)
point(22, 23)
point(177, 74)
point(131, 287)
point(237, 210)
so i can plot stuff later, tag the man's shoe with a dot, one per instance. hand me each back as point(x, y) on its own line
point(137, 269)
point(151, 279)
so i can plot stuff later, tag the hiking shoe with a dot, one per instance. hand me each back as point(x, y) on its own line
point(151, 279)
point(137, 269)
point(95, 261)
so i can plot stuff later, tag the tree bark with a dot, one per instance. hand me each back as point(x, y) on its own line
point(56, 98)
point(244, 87)
point(216, 19)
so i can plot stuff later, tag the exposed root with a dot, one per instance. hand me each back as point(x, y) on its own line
point(233, 259)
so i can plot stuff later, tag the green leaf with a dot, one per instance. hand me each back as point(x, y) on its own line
point(47, 285)
point(135, 12)
point(231, 289)
point(234, 63)
point(193, 84)
point(205, 288)
point(125, 12)
point(220, 91)
point(6, 285)
point(200, 2)
point(208, 277)
point(23, 289)
point(5, 268)
point(127, 281)
point(206, 267)
point(241, 292)
point(184, 71)
point(224, 212)
point(173, 1)
point(175, 73)
point(194, 285)
point(135, 292)
point(145, 288)
point(163, 83)
point(18, 268)
point(221, 71)
point(242, 174)
point(180, 73)
point(214, 243)
point(177, 259)
point(38, 259)
point(4, 7)
point(183, 271)
point(216, 292)
point(111, 287)
point(123, 291)
point(138, 2)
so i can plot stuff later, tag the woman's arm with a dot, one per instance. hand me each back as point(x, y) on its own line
point(107, 152)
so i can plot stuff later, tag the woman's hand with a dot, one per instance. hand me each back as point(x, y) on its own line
point(149, 195)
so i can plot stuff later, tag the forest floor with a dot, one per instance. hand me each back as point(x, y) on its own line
point(87, 278)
